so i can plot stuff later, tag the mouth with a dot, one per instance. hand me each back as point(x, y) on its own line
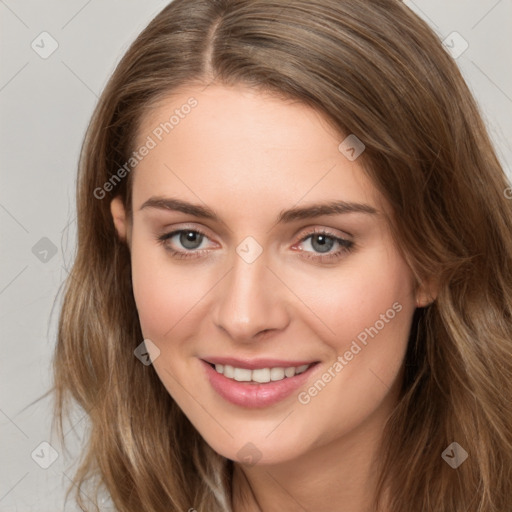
point(257, 383)
point(260, 375)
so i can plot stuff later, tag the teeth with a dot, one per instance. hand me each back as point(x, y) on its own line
point(277, 373)
point(260, 375)
point(229, 371)
point(242, 374)
point(302, 368)
point(290, 372)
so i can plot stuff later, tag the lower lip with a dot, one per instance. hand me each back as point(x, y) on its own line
point(246, 394)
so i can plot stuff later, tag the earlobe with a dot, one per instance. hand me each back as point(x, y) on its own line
point(426, 292)
point(119, 217)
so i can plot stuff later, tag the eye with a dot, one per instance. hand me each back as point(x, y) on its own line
point(323, 241)
point(189, 239)
point(320, 240)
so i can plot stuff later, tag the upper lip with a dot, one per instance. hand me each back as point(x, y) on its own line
point(254, 364)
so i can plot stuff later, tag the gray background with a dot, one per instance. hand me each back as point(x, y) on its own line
point(45, 105)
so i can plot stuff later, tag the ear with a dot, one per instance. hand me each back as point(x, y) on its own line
point(120, 220)
point(426, 292)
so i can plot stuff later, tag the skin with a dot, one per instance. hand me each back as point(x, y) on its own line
point(248, 156)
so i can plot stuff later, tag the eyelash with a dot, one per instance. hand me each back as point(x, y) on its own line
point(346, 245)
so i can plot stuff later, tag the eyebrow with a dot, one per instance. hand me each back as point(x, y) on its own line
point(285, 216)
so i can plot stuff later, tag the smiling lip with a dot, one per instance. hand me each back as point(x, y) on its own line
point(252, 395)
point(254, 364)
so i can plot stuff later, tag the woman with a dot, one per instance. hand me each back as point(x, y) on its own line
point(293, 281)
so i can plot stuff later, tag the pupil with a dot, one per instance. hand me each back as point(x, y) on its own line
point(189, 238)
point(323, 244)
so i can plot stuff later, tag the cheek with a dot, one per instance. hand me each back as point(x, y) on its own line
point(365, 295)
point(370, 311)
point(164, 293)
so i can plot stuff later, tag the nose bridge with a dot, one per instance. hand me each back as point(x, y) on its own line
point(250, 298)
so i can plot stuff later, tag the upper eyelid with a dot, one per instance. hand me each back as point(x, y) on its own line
point(304, 231)
point(328, 231)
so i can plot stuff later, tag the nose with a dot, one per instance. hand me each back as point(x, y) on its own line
point(251, 301)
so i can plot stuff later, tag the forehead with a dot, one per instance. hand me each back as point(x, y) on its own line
point(222, 142)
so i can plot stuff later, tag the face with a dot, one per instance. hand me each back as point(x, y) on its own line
point(307, 311)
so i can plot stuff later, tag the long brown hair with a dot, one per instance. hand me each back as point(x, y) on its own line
point(375, 70)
